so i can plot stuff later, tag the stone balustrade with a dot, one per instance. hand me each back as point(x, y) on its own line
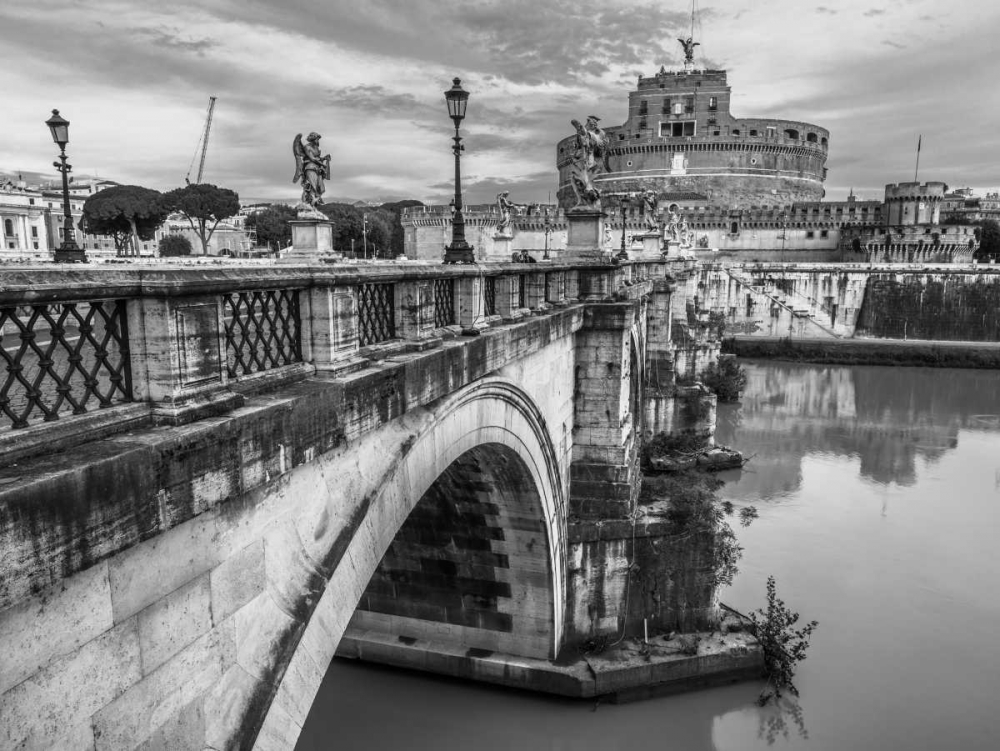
point(93, 351)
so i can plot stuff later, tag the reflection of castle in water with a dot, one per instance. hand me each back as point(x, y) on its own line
point(885, 416)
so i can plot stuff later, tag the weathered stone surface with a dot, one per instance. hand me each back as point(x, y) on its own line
point(147, 572)
point(173, 622)
point(53, 624)
point(39, 711)
point(237, 580)
point(158, 698)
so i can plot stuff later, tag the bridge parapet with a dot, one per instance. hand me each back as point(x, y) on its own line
point(115, 349)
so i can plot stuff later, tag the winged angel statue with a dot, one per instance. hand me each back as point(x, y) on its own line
point(311, 169)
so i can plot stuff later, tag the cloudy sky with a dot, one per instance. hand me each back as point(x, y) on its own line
point(134, 77)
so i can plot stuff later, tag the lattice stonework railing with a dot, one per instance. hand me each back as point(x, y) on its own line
point(490, 295)
point(444, 302)
point(263, 330)
point(63, 358)
point(376, 313)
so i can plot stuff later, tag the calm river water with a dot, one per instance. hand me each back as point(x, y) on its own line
point(878, 491)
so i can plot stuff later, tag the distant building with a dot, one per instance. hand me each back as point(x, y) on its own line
point(23, 226)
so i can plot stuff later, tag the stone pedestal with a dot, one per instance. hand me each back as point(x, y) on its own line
point(585, 235)
point(672, 248)
point(652, 246)
point(312, 241)
point(502, 248)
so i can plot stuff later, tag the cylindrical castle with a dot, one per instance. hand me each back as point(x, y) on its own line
point(681, 141)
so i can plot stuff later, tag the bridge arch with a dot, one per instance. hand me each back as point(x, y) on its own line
point(490, 431)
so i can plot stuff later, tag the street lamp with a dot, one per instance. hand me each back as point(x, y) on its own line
point(68, 251)
point(623, 253)
point(459, 251)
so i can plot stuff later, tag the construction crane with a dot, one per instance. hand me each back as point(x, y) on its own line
point(203, 142)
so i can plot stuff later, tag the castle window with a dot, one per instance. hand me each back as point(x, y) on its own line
point(642, 124)
point(824, 233)
point(810, 234)
point(678, 129)
point(678, 108)
point(753, 133)
point(736, 131)
point(823, 141)
point(771, 131)
point(666, 106)
point(715, 132)
point(643, 107)
point(713, 102)
point(792, 133)
point(812, 138)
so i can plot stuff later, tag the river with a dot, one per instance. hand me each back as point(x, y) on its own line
point(878, 493)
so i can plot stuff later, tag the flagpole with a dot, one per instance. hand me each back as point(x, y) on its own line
point(917, 168)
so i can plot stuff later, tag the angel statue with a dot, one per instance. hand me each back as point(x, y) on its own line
point(688, 44)
point(311, 168)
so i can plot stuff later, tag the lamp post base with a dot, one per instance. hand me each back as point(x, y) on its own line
point(70, 255)
point(459, 254)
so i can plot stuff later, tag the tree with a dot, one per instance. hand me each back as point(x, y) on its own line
point(989, 241)
point(366, 227)
point(174, 245)
point(124, 213)
point(272, 227)
point(204, 206)
point(396, 244)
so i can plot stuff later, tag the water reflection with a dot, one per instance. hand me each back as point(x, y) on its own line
point(887, 417)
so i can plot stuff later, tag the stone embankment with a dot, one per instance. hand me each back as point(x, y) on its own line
point(937, 354)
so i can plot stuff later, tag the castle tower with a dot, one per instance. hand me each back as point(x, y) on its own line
point(908, 204)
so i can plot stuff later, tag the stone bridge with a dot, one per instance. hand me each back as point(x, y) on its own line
point(214, 477)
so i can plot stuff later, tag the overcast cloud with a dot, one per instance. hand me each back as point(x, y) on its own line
point(134, 77)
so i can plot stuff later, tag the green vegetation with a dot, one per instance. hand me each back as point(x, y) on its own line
point(174, 245)
point(204, 205)
point(125, 213)
point(272, 227)
point(782, 643)
point(988, 236)
point(726, 379)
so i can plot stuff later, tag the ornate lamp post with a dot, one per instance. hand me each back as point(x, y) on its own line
point(623, 253)
point(459, 251)
point(68, 251)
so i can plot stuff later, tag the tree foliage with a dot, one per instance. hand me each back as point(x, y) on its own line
point(349, 224)
point(272, 227)
point(396, 209)
point(124, 213)
point(174, 245)
point(204, 205)
point(988, 235)
point(726, 378)
point(783, 644)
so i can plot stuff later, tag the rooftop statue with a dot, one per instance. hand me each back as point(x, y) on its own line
point(590, 157)
point(311, 169)
point(688, 44)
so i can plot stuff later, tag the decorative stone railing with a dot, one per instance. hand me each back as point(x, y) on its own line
point(88, 352)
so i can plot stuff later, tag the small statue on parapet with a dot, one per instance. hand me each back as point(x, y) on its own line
point(650, 206)
point(504, 206)
point(311, 169)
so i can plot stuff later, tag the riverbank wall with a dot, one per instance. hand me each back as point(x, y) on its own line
point(935, 354)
